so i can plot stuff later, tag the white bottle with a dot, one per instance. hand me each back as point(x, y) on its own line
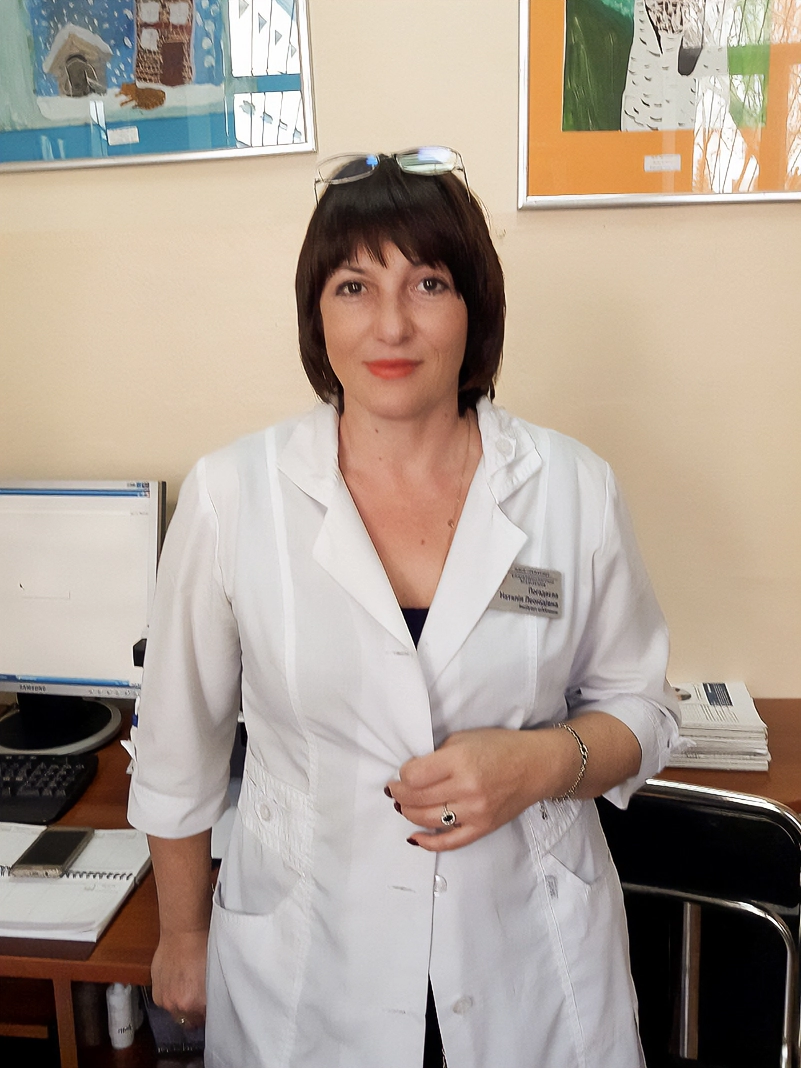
point(120, 1015)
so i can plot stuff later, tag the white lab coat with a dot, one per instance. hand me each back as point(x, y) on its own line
point(326, 923)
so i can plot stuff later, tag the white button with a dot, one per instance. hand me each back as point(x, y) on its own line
point(462, 1006)
point(265, 811)
point(440, 885)
point(505, 447)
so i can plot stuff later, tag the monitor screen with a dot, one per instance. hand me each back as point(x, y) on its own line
point(77, 578)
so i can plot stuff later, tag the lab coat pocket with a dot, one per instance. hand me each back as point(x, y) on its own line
point(254, 963)
point(581, 853)
point(254, 878)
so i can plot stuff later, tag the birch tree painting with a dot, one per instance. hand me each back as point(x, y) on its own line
point(726, 72)
point(674, 50)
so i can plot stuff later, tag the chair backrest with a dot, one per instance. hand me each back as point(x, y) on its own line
point(690, 848)
point(711, 842)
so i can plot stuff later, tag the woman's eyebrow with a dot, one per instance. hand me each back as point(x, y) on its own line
point(348, 266)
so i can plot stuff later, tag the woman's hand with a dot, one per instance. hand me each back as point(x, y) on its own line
point(487, 777)
point(179, 976)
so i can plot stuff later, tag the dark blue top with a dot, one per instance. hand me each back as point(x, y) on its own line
point(415, 621)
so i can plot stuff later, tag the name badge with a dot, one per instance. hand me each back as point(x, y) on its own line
point(530, 589)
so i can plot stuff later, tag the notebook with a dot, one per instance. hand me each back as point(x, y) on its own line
point(78, 906)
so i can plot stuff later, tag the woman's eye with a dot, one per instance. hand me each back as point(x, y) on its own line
point(350, 288)
point(433, 285)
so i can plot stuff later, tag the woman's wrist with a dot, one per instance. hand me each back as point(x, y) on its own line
point(553, 764)
point(579, 762)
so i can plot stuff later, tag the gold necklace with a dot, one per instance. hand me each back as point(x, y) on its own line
point(457, 505)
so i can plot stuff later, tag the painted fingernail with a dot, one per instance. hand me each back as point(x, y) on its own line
point(397, 807)
point(412, 841)
point(387, 791)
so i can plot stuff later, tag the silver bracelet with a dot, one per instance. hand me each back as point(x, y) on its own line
point(585, 756)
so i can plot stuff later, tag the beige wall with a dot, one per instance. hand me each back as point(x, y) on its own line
point(146, 317)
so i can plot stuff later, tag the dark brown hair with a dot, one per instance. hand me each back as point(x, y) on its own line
point(432, 220)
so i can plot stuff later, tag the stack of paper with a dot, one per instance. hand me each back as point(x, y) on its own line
point(720, 728)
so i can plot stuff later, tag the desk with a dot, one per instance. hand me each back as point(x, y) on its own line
point(125, 950)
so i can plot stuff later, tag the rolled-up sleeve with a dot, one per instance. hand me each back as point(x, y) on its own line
point(191, 686)
point(621, 664)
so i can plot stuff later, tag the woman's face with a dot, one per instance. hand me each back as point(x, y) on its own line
point(395, 335)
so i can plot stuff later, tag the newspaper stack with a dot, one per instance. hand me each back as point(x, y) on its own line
point(720, 728)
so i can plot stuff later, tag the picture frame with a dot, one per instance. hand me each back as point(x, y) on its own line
point(108, 82)
point(628, 102)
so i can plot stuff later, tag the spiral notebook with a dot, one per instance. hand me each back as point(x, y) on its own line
point(78, 906)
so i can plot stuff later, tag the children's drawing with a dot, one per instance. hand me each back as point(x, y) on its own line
point(88, 80)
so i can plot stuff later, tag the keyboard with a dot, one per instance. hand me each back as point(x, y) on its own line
point(38, 789)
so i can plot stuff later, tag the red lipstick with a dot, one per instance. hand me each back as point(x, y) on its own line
point(391, 368)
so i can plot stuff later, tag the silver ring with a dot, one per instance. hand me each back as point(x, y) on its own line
point(448, 818)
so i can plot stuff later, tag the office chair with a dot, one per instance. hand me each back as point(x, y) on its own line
point(712, 884)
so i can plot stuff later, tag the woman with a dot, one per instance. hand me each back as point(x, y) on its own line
point(408, 590)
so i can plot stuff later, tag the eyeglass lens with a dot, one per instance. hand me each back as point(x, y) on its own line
point(347, 168)
point(429, 160)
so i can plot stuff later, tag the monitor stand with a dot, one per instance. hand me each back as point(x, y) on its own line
point(53, 725)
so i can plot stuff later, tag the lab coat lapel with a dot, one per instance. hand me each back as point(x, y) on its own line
point(484, 548)
point(343, 547)
point(486, 542)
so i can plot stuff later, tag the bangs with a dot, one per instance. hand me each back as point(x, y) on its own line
point(417, 248)
point(377, 211)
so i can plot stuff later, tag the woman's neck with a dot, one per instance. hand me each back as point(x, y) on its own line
point(402, 448)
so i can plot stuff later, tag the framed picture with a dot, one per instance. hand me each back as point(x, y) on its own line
point(85, 82)
point(646, 101)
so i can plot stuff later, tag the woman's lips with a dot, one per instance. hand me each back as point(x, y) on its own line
point(391, 368)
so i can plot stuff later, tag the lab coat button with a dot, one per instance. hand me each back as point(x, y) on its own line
point(440, 885)
point(462, 1006)
point(505, 447)
point(265, 811)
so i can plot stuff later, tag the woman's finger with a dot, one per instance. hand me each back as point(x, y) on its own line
point(424, 772)
point(189, 1020)
point(430, 797)
point(439, 817)
point(434, 842)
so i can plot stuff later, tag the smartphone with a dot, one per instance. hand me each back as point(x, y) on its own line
point(52, 852)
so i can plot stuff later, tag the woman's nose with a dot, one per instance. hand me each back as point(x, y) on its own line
point(393, 318)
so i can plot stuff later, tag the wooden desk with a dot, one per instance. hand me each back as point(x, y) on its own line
point(783, 781)
point(125, 950)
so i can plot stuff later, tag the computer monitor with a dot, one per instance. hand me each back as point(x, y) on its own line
point(77, 578)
